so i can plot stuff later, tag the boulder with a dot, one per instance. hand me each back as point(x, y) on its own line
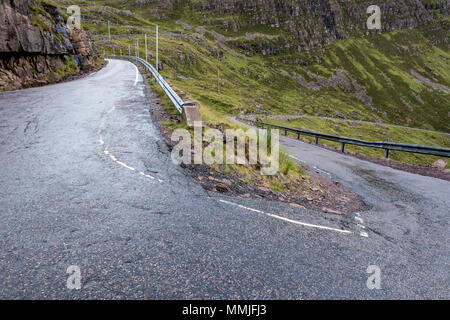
point(440, 164)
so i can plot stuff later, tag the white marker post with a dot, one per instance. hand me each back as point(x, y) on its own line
point(157, 35)
point(146, 48)
point(218, 71)
point(129, 50)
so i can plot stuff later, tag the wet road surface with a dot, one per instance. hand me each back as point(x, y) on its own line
point(87, 180)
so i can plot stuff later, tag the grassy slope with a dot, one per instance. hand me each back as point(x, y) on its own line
point(227, 82)
point(246, 83)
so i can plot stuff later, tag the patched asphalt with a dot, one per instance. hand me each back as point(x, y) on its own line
point(138, 228)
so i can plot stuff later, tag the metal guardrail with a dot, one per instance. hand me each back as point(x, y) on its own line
point(387, 146)
point(171, 94)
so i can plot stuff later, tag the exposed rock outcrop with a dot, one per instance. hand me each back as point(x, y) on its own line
point(340, 81)
point(305, 24)
point(37, 48)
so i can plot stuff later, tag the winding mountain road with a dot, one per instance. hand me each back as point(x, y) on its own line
point(87, 180)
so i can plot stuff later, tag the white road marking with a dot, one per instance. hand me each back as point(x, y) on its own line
point(314, 167)
point(111, 110)
point(150, 177)
point(146, 175)
point(359, 219)
point(124, 165)
point(295, 158)
point(112, 157)
point(137, 76)
point(361, 225)
point(321, 171)
point(286, 219)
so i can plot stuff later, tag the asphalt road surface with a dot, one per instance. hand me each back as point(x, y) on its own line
point(86, 180)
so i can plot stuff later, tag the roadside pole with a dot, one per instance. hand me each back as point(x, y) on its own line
point(146, 56)
point(109, 32)
point(218, 71)
point(157, 35)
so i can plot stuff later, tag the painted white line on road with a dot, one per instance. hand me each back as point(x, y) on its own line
point(111, 110)
point(286, 219)
point(297, 159)
point(124, 165)
point(314, 167)
point(137, 76)
point(146, 175)
point(113, 158)
point(321, 171)
point(150, 177)
point(361, 225)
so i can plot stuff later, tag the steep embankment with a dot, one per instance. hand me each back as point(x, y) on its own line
point(37, 48)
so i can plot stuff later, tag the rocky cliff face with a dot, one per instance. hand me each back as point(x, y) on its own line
point(37, 48)
point(310, 24)
point(300, 24)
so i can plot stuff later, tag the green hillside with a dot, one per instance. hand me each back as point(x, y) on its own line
point(400, 77)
